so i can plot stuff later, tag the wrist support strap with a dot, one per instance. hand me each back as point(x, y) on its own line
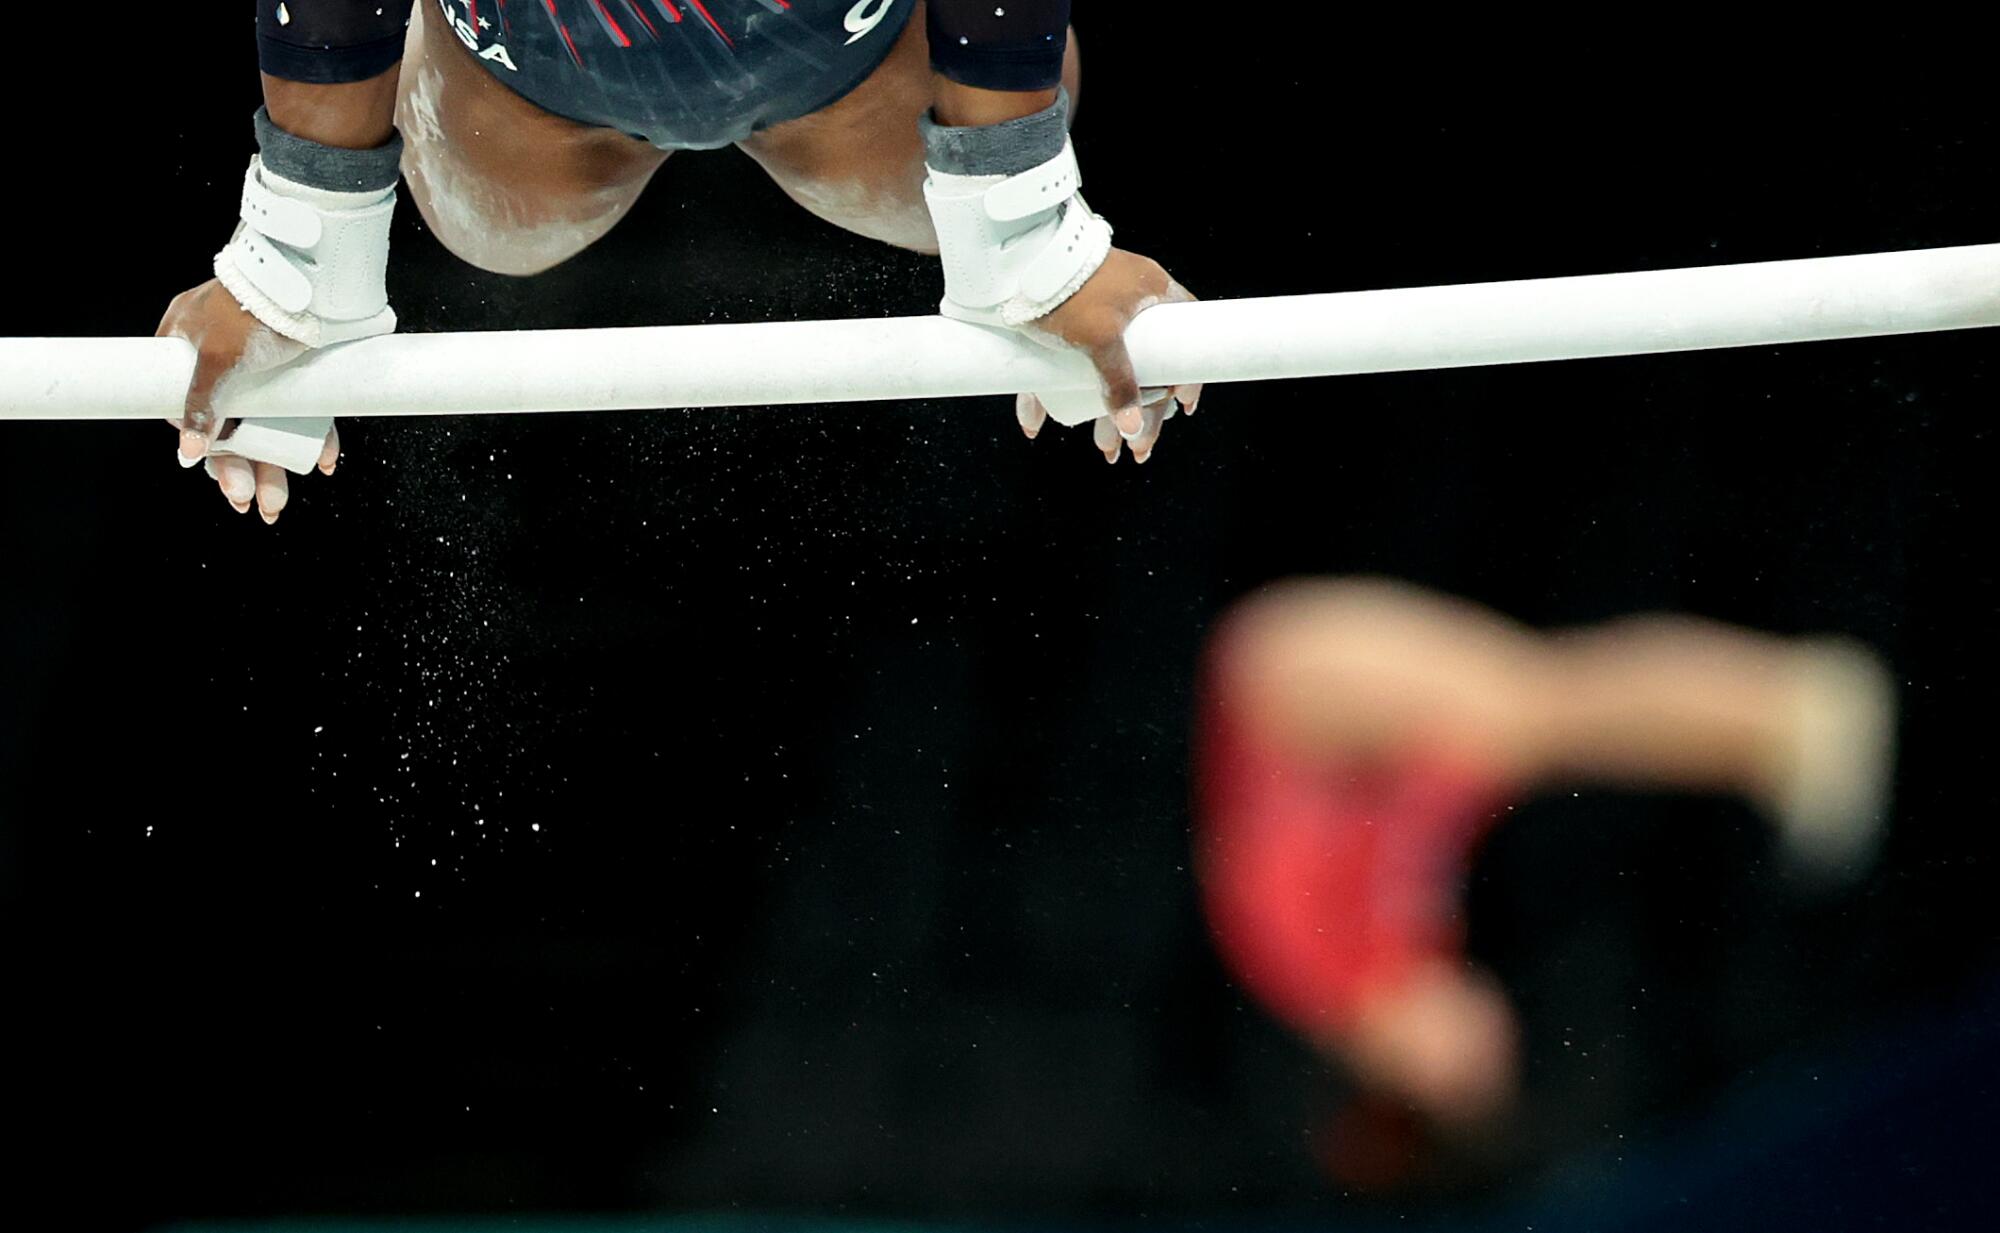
point(310, 262)
point(309, 259)
point(1017, 240)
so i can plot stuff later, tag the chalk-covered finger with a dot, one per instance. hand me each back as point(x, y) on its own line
point(1030, 414)
point(329, 454)
point(1119, 382)
point(273, 490)
point(1105, 432)
point(1189, 395)
point(1156, 414)
point(234, 477)
point(198, 424)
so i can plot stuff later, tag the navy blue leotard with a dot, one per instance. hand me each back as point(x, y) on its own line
point(681, 74)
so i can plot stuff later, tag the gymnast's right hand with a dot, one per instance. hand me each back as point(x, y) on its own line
point(304, 269)
point(229, 343)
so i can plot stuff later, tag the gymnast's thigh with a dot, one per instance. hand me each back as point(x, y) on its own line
point(858, 162)
point(506, 185)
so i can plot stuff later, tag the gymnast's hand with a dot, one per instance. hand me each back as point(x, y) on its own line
point(1094, 321)
point(229, 343)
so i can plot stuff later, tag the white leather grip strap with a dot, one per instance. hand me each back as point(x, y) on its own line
point(310, 263)
point(1015, 247)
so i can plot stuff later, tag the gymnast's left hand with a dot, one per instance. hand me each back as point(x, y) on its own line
point(1094, 321)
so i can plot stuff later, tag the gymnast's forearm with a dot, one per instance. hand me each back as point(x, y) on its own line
point(330, 69)
point(964, 106)
point(357, 115)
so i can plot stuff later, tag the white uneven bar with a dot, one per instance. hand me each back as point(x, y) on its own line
point(930, 357)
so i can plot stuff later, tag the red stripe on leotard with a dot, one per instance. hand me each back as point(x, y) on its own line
point(651, 30)
point(701, 8)
point(610, 24)
point(563, 30)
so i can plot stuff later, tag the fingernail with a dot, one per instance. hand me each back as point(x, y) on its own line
point(191, 439)
point(1141, 458)
point(1032, 433)
point(185, 461)
point(241, 507)
point(1111, 455)
point(1133, 416)
point(267, 516)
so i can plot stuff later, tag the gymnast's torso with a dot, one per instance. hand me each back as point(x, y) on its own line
point(680, 74)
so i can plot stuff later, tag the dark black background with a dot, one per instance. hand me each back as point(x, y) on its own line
point(785, 808)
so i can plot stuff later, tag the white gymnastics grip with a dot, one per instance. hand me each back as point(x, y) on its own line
point(293, 444)
point(932, 357)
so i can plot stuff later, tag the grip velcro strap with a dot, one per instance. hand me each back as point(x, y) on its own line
point(1037, 189)
point(1081, 239)
point(271, 271)
point(282, 218)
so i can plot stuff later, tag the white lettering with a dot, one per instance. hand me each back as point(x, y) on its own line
point(861, 23)
point(470, 37)
point(498, 52)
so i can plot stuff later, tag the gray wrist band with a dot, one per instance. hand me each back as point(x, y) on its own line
point(1003, 149)
point(328, 167)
